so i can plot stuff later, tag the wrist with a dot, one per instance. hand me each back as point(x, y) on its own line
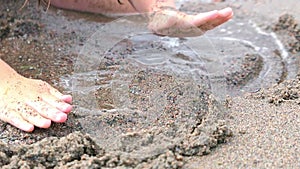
point(163, 10)
point(6, 72)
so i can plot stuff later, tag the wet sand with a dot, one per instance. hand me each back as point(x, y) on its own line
point(265, 123)
point(192, 130)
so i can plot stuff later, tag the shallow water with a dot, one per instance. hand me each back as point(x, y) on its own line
point(130, 42)
point(238, 38)
point(210, 60)
point(127, 79)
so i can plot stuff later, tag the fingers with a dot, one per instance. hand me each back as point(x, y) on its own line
point(33, 117)
point(226, 12)
point(47, 111)
point(223, 16)
point(12, 117)
point(67, 98)
point(60, 105)
point(204, 18)
point(33, 103)
point(45, 88)
point(38, 113)
point(20, 123)
point(57, 94)
point(209, 20)
point(57, 99)
point(179, 24)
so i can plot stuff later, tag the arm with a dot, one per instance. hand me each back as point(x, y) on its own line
point(112, 6)
point(164, 18)
point(151, 5)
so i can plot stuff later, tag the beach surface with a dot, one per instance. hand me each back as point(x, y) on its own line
point(231, 102)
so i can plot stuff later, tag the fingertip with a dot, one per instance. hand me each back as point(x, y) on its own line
point(228, 9)
point(57, 94)
point(209, 15)
point(65, 107)
point(22, 124)
point(68, 109)
point(203, 18)
point(25, 127)
point(45, 124)
point(66, 98)
point(61, 117)
point(226, 12)
point(28, 128)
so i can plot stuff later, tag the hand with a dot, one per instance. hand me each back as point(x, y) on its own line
point(171, 22)
point(26, 103)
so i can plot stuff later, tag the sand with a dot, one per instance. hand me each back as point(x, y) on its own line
point(189, 129)
point(265, 124)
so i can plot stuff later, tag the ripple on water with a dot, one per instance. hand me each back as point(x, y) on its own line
point(127, 79)
point(224, 52)
point(102, 62)
point(270, 63)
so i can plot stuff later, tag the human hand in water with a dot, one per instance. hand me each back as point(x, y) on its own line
point(171, 22)
point(26, 103)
